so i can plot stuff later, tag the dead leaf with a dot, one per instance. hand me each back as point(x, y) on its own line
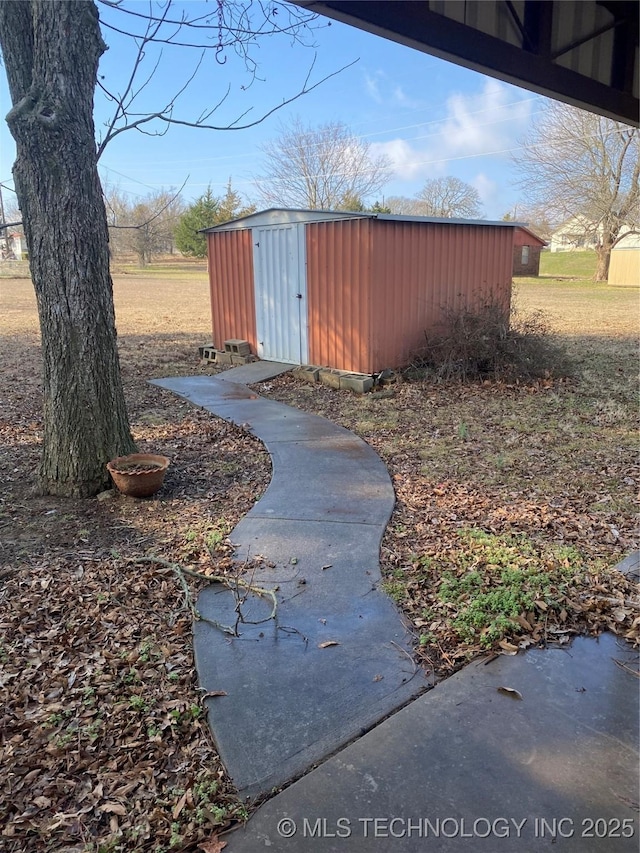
point(328, 643)
point(114, 808)
point(524, 623)
point(211, 693)
point(179, 806)
point(213, 845)
point(508, 647)
point(510, 691)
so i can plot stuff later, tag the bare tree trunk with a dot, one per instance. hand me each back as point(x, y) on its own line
point(51, 52)
point(602, 267)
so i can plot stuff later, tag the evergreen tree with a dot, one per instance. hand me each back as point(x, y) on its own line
point(231, 206)
point(380, 207)
point(206, 211)
point(203, 213)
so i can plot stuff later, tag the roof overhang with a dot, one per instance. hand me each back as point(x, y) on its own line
point(582, 52)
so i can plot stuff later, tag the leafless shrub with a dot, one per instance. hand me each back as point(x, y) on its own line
point(486, 342)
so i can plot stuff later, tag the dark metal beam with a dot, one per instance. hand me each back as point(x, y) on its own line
point(415, 25)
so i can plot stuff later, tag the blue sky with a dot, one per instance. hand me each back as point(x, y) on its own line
point(429, 116)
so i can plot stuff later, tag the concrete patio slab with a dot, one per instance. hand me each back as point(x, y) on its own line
point(207, 390)
point(326, 554)
point(255, 371)
point(290, 701)
point(467, 768)
point(631, 565)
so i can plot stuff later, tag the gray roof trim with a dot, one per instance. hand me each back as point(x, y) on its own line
point(298, 214)
point(301, 215)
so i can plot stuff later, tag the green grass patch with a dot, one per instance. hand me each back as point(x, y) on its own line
point(492, 580)
point(492, 587)
point(568, 264)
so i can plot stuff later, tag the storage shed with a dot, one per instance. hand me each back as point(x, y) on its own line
point(351, 291)
point(526, 251)
point(624, 267)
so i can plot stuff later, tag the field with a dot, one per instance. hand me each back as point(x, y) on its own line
point(579, 266)
point(524, 491)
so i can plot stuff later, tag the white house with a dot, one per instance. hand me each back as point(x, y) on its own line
point(11, 248)
point(577, 233)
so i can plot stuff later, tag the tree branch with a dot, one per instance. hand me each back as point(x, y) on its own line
point(237, 32)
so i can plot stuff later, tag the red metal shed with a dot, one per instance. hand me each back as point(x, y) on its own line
point(526, 251)
point(352, 291)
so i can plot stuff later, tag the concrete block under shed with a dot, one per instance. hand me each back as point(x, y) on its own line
point(241, 359)
point(223, 357)
point(358, 382)
point(237, 347)
point(307, 374)
point(330, 378)
point(207, 352)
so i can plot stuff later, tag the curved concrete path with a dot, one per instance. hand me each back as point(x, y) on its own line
point(336, 659)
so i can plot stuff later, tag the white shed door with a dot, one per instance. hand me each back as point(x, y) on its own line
point(279, 265)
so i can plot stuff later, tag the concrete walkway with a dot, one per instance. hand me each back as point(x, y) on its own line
point(468, 769)
point(336, 660)
point(462, 767)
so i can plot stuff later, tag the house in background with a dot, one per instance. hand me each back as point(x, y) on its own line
point(624, 267)
point(576, 234)
point(11, 246)
point(351, 291)
point(526, 251)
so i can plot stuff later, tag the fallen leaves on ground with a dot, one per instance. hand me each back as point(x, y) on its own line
point(104, 743)
point(554, 462)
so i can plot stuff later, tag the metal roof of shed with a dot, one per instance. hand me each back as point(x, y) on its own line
point(287, 216)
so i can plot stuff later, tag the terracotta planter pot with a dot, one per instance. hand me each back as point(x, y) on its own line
point(139, 474)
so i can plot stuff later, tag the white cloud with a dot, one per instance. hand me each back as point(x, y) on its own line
point(401, 99)
point(405, 159)
point(491, 121)
point(372, 85)
point(384, 91)
point(475, 125)
point(488, 189)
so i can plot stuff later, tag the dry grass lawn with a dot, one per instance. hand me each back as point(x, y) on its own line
point(513, 503)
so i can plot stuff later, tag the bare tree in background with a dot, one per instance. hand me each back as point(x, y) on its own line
point(320, 168)
point(51, 53)
point(586, 168)
point(404, 206)
point(118, 208)
point(144, 228)
point(449, 197)
point(535, 217)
